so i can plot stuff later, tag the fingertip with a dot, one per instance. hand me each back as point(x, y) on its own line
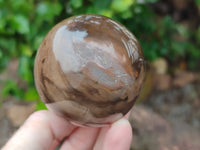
point(127, 115)
point(124, 126)
point(119, 136)
point(121, 122)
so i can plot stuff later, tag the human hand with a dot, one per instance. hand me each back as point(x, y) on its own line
point(44, 130)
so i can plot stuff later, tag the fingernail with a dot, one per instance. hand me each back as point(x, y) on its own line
point(120, 122)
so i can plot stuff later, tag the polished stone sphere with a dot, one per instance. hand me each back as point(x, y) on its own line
point(89, 69)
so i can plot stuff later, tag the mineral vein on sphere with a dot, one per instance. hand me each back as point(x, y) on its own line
point(89, 69)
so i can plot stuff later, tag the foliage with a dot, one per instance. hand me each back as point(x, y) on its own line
point(24, 23)
point(11, 88)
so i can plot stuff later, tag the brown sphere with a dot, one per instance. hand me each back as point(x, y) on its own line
point(89, 69)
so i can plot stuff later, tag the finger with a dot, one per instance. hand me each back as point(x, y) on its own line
point(43, 130)
point(100, 139)
point(117, 137)
point(82, 139)
point(128, 115)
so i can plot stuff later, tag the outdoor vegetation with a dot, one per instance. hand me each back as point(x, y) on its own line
point(166, 115)
point(24, 23)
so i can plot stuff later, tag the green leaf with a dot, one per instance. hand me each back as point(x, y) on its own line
point(31, 95)
point(197, 2)
point(178, 48)
point(107, 13)
point(3, 60)
point(91, 10)
point(193, 51)
point(41, 106)
point(198, 35)
point(127, 14)
point(47, 11)
point(24, 69)
point(168, 23)
point(22, 6)
point(76, 3)
point(1, 54)
point(102, 4)
point(11, 88)
point(150, 49)
point(26, 50)
point(8, 45)
point(120, 6)
point(20, 23)
point(151, 1)
point(2, 23)
point(37, 42)
point(183, 30)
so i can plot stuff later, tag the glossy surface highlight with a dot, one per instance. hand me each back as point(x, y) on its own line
point(89, 69)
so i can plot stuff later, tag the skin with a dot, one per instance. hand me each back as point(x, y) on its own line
point(44, 130)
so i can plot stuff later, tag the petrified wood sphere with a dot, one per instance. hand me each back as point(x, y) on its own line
point(89, 69)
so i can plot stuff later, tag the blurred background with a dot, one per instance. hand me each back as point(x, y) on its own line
point(167, 114)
